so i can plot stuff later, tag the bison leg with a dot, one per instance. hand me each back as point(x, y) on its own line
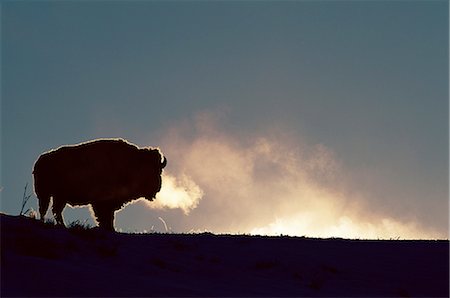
point(43, 206)
point(105, 216)
point(58, 207)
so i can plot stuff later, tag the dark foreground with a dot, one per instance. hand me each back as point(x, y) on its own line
point(42, 260)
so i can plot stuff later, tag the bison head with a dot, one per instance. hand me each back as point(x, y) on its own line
point(153, 162)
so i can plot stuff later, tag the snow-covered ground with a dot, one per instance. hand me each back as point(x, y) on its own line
point(43, 260)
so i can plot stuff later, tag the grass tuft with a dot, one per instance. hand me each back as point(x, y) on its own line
point(25, 198)
point(80, 225)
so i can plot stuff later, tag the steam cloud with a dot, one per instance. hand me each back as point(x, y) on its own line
point(175, 192)
point(267, 184)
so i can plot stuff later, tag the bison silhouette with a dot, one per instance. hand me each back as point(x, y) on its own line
point(106, 174)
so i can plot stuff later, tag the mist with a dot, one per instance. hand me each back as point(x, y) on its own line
point(267, 183)
point(179, 192)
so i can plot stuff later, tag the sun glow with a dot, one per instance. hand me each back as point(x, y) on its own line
point(311, 225)
point(271, 184)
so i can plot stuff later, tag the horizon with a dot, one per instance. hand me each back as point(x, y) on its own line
point(86, 226)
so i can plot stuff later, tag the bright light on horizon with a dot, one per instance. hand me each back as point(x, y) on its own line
point(345, 227)
point(270, 185)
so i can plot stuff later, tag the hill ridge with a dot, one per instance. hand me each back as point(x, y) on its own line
point(43, 260)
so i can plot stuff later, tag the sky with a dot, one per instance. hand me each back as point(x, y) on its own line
point(322, 119)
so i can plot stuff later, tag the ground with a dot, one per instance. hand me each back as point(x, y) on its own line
point(40, 259)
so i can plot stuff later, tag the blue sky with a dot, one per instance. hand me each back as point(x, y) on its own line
point(367, 80)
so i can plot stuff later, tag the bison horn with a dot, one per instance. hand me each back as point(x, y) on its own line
point(164, 162)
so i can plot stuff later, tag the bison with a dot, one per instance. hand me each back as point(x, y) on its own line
point(105, 173)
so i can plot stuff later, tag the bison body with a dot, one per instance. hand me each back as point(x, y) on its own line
point(103, 173)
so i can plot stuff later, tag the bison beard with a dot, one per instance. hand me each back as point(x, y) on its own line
point(106, 174)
